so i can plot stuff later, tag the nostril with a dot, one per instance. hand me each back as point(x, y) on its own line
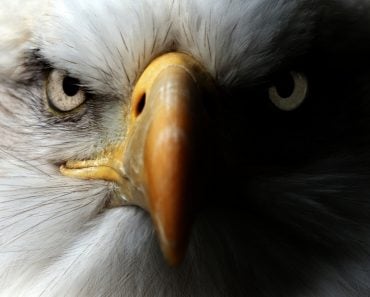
point(140, 105)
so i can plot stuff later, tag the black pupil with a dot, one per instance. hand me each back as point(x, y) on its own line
point(284, 84)
point(70, 86)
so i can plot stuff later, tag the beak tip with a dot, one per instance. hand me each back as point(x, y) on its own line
point(173, 253)
point(173, 247)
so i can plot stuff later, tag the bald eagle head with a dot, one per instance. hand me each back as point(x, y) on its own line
point(184, 148)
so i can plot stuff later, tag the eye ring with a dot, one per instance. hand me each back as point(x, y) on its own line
point(63, 92)
point(298, 95)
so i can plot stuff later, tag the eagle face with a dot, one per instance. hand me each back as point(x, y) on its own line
point(184, 148)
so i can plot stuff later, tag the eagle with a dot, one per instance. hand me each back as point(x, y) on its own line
point(185, 148)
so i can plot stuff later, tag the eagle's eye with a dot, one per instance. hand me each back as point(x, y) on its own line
point(289, 91)
point(63, 92)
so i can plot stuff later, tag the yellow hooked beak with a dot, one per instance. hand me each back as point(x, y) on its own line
point(156, 163)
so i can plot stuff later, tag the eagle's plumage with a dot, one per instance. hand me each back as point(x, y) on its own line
point(290, 212)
